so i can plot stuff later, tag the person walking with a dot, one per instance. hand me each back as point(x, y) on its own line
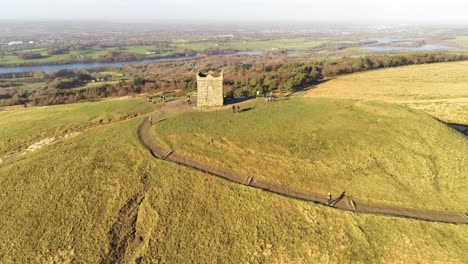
point(151, 120)
point(238, 108)
point(233, 108)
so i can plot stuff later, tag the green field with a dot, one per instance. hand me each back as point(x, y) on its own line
point(291, 44)
point(438, 89)
point(22, 127)
point(376, 152)
point(101, 196)
point(260, 45)
point(75, 55)
point(462, 40)
point(91, 53)
point(198, 46)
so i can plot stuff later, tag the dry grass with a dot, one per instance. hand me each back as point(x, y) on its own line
point(376, 152)
point(24, 126)
point(452, 112)
point(421, 83)
point(60, 203)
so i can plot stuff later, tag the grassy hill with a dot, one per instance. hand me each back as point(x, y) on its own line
point(22, 127)
point(376, 152)
point(439, 89)
point(100, 196)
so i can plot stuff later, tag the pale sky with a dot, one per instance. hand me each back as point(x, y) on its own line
point(429, 11)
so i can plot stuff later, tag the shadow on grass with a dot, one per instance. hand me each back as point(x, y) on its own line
point(236, 100)
point(247, 109)
point(311, 87)
point(462, 128)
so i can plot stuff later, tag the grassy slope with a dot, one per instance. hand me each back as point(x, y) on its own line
point(60, 203)
point(375, 152)
point(25, 126)
point(412, 85)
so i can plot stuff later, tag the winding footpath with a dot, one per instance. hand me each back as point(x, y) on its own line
point(343, 202)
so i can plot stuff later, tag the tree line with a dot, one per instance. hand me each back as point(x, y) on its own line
point(245, 79)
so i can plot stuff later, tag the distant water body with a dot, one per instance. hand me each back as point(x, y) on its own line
point(427, 47)
point(420, 48)
point(55, 67)
point(394, 40)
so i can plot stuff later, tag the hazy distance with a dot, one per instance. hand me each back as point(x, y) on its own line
point(385, 11)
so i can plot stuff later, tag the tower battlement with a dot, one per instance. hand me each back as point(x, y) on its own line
point(210, 89)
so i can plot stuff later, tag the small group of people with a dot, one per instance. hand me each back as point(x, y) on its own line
point(270, 99)
point(235, 108)
point(162, 98)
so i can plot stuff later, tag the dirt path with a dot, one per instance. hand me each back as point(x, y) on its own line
point(345, 203)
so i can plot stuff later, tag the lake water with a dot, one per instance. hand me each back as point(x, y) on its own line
point(55, 67)
point(420, 48)
point(397, 40)
point(250, 53)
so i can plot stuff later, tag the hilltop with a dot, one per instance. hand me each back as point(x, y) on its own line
point(101, 197)
point(375, 152)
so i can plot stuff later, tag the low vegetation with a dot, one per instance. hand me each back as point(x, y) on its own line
point(101, 197)
point(381, 153)
point(22, 127)
point(437, 89)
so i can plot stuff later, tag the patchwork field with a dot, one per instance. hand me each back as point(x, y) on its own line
point(260, 45)
point(100, 197)
point(439, 89)
point(91, 53)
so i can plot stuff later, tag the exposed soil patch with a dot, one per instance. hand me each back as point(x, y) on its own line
point(123, 230)
point(38, 145)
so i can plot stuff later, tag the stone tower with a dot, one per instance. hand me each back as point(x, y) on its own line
point(210, 89)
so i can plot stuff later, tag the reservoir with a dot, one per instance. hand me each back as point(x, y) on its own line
point(419, 48)
point(425, 47)
point(55, 67)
